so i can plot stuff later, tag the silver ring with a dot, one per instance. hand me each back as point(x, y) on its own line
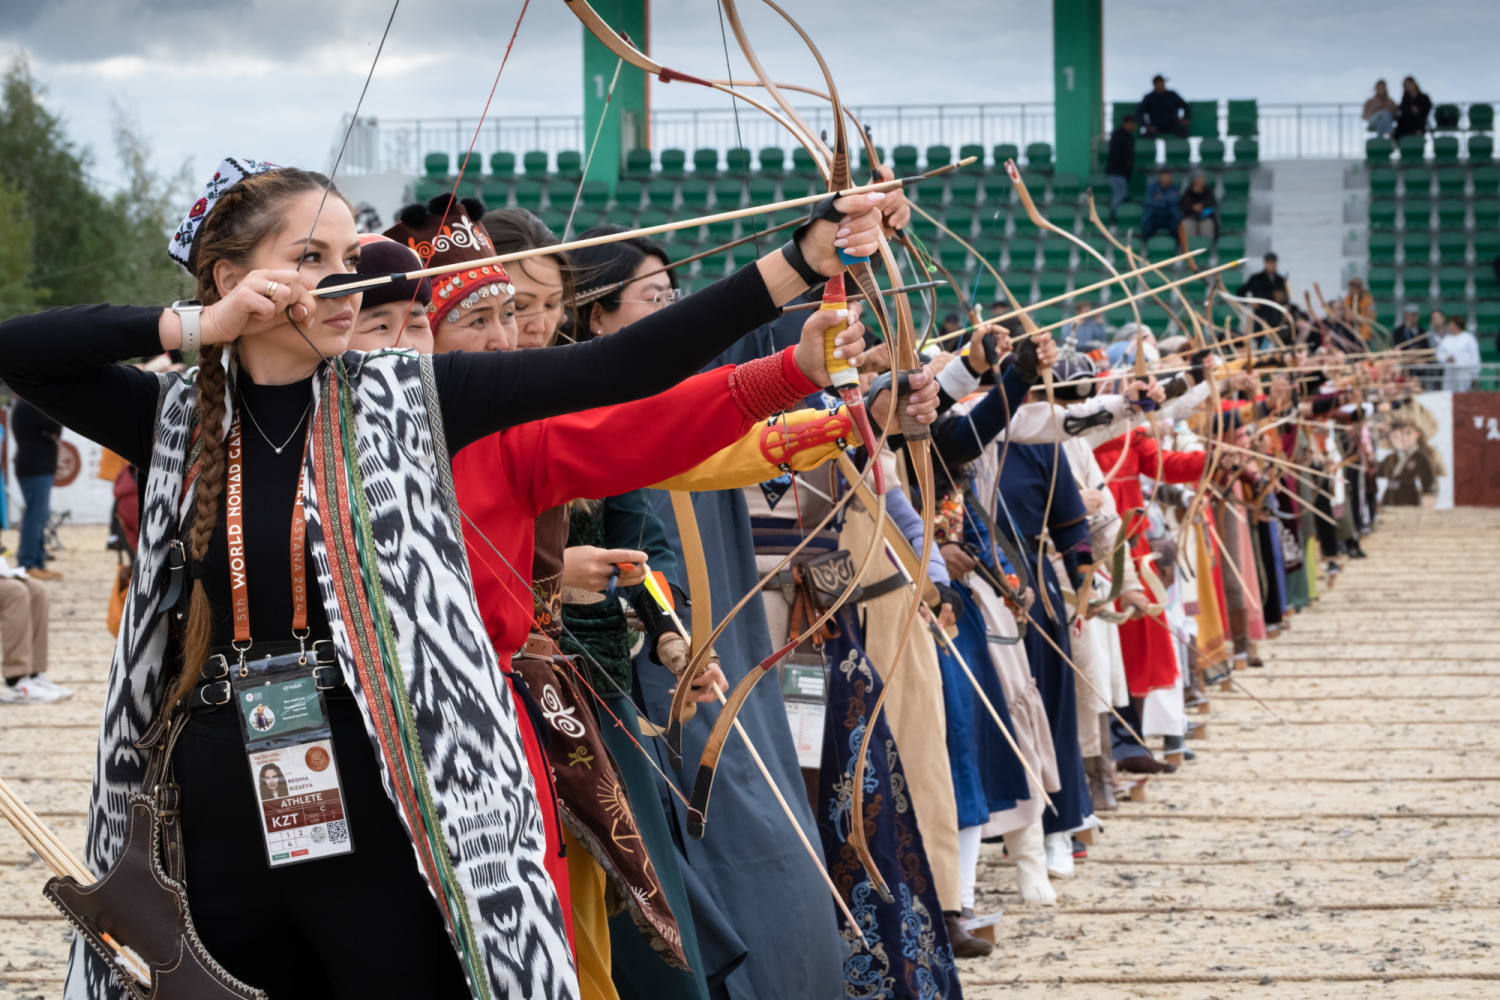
point(271, 287)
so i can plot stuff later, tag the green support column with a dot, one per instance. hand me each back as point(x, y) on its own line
point(1078, 82)
point(627, 121)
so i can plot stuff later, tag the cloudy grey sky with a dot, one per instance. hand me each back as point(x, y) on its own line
point(271, 78)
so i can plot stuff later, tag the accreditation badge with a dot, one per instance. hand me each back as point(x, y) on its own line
point(289, 748)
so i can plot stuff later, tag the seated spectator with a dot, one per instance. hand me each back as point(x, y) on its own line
point(1458, 353)
point(1360, 307)
point(1411, 115)
point(1162, 211)
point(1199, 208)
point(1086, 333)
point(23, 639)
point(1380, 112)
point(1121, 163)
point(1163, 112)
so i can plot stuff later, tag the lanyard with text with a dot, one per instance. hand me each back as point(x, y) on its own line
point(234, 524)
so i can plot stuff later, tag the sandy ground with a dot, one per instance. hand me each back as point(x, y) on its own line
point(1348, 851)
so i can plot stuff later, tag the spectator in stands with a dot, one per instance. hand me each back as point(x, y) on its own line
point(1458, 352)
point(1121, 163)
point(1163, 112)
point(1360, 307)
point(1199, 209)
point(1380, 112)
point(1087, 333)
point(1411, 115)
point(23, 637)
point(950, 323)
point(1408, 334)
point(1162, 211)
point(36, 438)
point(1267, 284)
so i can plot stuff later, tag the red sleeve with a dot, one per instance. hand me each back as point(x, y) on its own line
point(614, 449)
point(1176, 466)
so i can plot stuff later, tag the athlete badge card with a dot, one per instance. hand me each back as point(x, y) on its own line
point(289, 747)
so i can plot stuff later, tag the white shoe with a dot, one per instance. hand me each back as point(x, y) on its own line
point(26, 692)
point(1026, 850)
point(1060, 854)
point(47, 684)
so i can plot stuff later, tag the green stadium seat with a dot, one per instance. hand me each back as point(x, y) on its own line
point(529, 194)
point(1005, 151)
point(1236, 183)
point(1481, 117)
point(1056, 252)
point(1244, 118)
point(1452, 181)
point(963, 188)
point(1098, 185)
point(719, 232)
point(1204, 119)
point(1486, 180)
point(1128, 218)
point(1412, 148)
point(555, 219)
point(1445, 148)
point(1416, 212)
point(1486, 245)
point(1063, 214)
point(1200, 243)
point(1211, 152)
point(728, 193)
point(638, 162)
point(1118, 111)
point(1383, 182)
point(1453, 281)
point(939, 156)
point(1066, 187)
point(924, 228)
point(1382, 281)
point(1416, 245)
point(1234, 213)
point(954, 256)
point(673, 162)
point(864, 159)
point(975, 150)
point(1382, 214)
point(628, 193)
point(960, 219)
point(1418, 182)
point(803, 164)
point(503, 165)
point(1453, 247)
point(1176, 152)
point(1161, 245)
point(534, 164)
point(762, 189)
point(495, 191)
point(705, 161)
point(695, 191)
point(1487, 316)
point(737, 161)
point(1452, 212)
point(424, 189)
point(1145, 154)
point(661, 194)
point(1049, 284)
point(1416, 282)
point(569, 164)
point(594, 195)
point(997, 188)
point(1048, 315)
point(1039, 156)
point(1481, 149)
point(1247, 151)
point(1231, 247)
point(904, 160)
point(1486, 215)
point(1445, 118)
point(1036, 183)
point(435, 166)
point(1382, 248)
point(560, 193)
point(1024, 227)
point(1378, 150)
point(653, 217)
point(772, 160)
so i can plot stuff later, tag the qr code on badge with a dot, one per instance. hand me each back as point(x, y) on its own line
point(338, 831)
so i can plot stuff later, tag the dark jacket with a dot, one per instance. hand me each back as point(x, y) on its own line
point(1121, 160)
point(1409, 336)
point(1161, 110)
point(1198, 204)
point(35, 435)
point(1265, 286)
point(1411, 115)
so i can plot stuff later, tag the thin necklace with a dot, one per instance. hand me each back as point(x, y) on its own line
point(295, 427)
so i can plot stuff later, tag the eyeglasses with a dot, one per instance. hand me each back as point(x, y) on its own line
point(665, 297)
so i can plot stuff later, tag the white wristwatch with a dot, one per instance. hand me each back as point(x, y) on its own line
point(189, 313)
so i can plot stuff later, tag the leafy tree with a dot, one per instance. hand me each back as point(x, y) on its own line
point(17, 295)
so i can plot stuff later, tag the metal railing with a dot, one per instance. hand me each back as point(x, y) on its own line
point(1286, 131)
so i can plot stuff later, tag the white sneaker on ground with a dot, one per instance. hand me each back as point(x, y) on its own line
point(47, 684)
point(1025, 848)
point(26, 692)
point(1060, 855)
